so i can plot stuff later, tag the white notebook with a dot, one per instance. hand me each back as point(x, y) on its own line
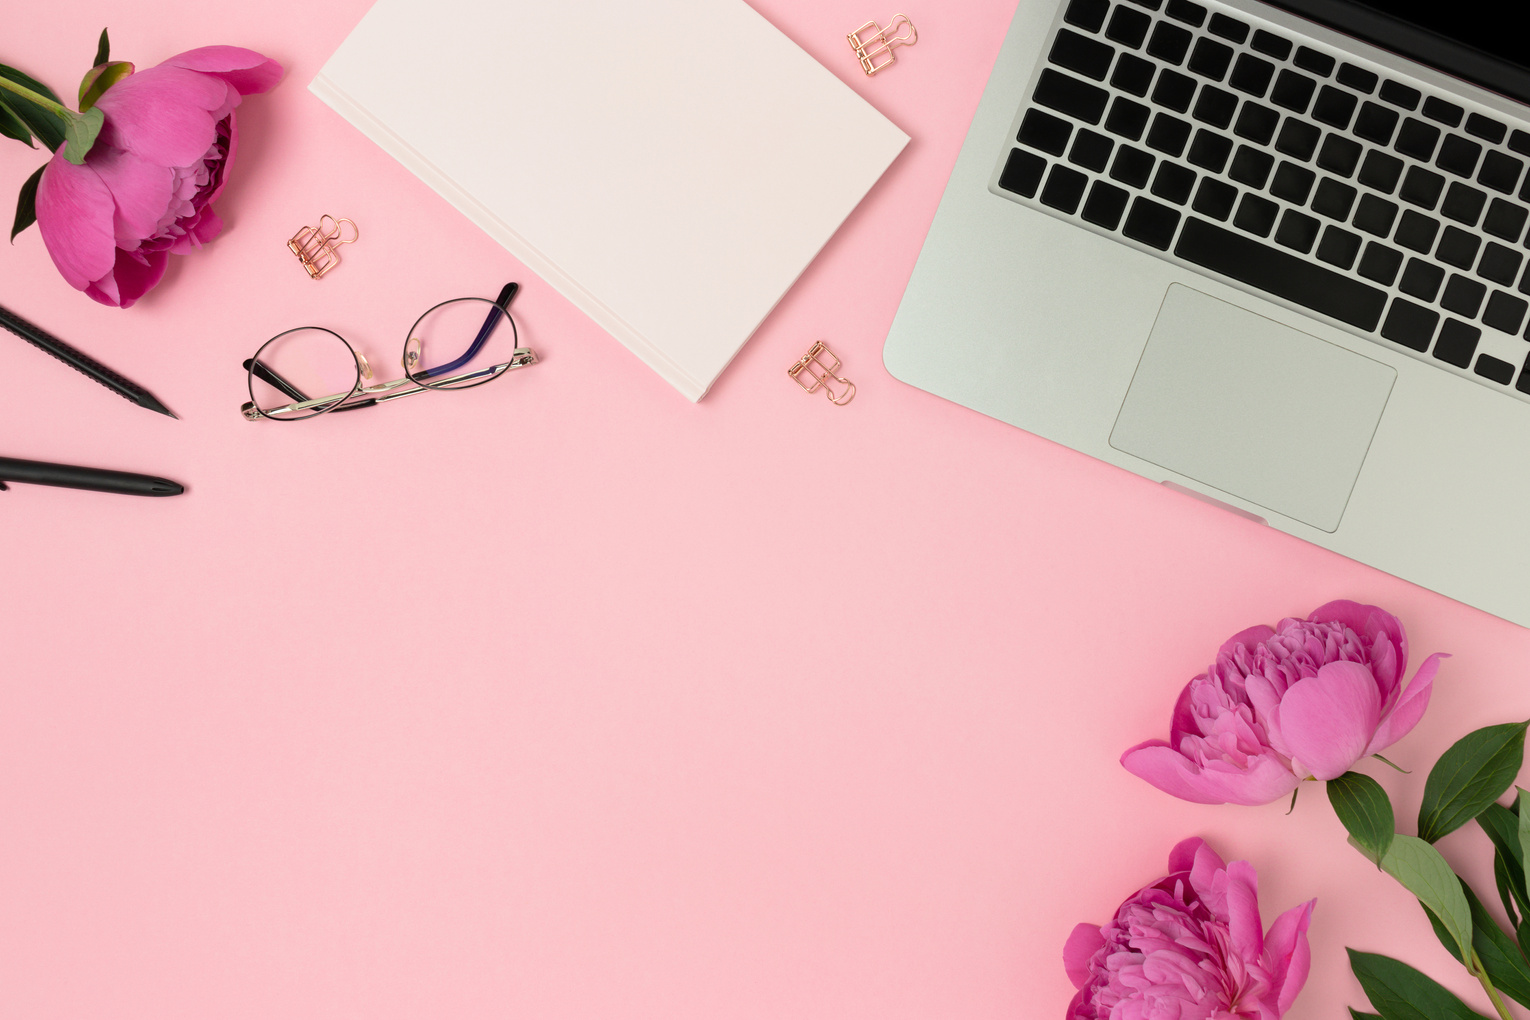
point(670, 167)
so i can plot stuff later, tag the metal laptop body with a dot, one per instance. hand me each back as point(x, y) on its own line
point(1410, 460)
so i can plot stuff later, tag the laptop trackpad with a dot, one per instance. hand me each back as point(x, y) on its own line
point(1255, 408)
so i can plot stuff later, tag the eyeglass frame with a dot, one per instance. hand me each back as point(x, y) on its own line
point(378, 393)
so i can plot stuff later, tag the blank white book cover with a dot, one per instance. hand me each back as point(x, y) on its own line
point(670, 167)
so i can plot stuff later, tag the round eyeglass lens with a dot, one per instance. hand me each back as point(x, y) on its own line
point(301, 373)
point(460, 343)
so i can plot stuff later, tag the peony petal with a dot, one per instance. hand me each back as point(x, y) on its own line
point(1185, 852)
point(74, 216)
point(1249, 639)
point(1327, 720)
point(247, 71)
point(140, 190)
point(135, 279)
point(166, 115)
point(1079, 950)
point(1243, 911)
point(1409, 708)
point(1287, 957)
point(1367, 621)
point(1267, 779)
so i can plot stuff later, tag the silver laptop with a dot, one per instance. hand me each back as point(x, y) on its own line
point(1272, 257)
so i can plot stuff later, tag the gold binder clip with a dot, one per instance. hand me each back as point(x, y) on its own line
point(315, 246)
point(820, 366)
point(874, 46)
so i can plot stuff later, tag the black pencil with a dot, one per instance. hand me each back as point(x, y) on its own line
point(83, 363)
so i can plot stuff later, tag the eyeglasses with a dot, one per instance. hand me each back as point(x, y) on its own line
point(446, 349)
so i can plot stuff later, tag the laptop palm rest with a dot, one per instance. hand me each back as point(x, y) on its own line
point(1252, 407)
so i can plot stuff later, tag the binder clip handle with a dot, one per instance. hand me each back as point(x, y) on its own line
point(818, 369)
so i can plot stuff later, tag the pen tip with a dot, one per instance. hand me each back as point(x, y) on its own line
point(154, 405)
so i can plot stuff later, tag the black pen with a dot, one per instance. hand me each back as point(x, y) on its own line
point(81, 362)
point(35, 472)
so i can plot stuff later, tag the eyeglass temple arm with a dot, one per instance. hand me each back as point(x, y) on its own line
point(266, 374)
point(501, 306)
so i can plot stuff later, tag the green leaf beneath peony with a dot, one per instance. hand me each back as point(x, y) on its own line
point(1424, 873)
point(1506, 896)
point(103, 50)
point(1363, 807)
point(1469, 777)
point(26, 204)
point(1398, 992)
point(80, 134)
point(11, 125)
point(1500, 956)
point(1502, 827)
point(1355, 1014)
point(100, 78)
point(45, 124)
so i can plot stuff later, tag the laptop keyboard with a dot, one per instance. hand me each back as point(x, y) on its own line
point(1266, 159)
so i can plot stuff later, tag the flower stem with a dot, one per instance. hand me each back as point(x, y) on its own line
point(33, 97)
point(1480, 973)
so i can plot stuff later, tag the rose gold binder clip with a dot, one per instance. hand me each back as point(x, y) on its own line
point(315, 246)
point(820, 368)
point(873, 46)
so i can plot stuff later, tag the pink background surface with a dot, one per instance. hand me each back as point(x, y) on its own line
point(568, 698)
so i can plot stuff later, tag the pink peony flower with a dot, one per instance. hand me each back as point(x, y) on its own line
point(1305, 700)
point(146, 187)
point(1190, 947)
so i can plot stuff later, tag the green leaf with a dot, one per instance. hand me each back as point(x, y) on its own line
point(26, 204)
point(103, 50)
point(1424, 873)
point(45, 124)
point(1502, 827)
point(1363, 807)
point(100, 78)
point(1522, 808)
point(1355, 1014)
point(1500, 956)
point(80, 132)
point(1398, 992)
point(11, 126)
point(1505, 896)
point(1473, 774)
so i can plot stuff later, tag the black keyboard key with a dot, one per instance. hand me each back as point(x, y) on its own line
point(1401, 95)
point(1214, 199)
point(1292, 277)
point(1067, 94)
point(1380, 171)
point(1438, 109)
point(1417, 139)
point(1132, 166)
point(1251, 166)
point(1375, 215)
point(1504, 219)
point(1128, 27)
point(1151, 5)
point(1524, 282)
point(1380, 263)
point(1133, 74)
point(1105, 204)
point(1215, 107)
point(1524, 378)
point(1357, 78)
point(1458, 155)
point(1489, 367)
point(1333, 199)
point(1173, 182)
point(1463, 295)
point(1297, 138)
point(1457, 343)
point(1251, 74)
point(1485, 128)
point(1339, 155)
point(1410, 325)
point(1127, 118)
point(1376, 123)
point(1422, 279)
point(1022, 173)
point(1500, 171)
point(1091, 150)
point(1168, 134)
point(1151, 223)
point(1339, 247)
point(1463, 203)
point(1458, 248)
point(1256, 123)
point(1499, 264)
point(1505, 312)
point(1256, 215)
point(1311, 60)
point(1041, 130)
point(1063, 189)
point(1174, 90)
point(1271, 45)
point(1209, 151)
point(1421, 187)
point(1334, 107)
point(1519, 141)
point(1183, 10)
point(1293, 91)
point(1417, 231)
point(1210, 59)
point(1292, 183)
point(1297, 230)
point(1168, 43)
point(1089, 57)
point(1087, 14)
point(1230, 29)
